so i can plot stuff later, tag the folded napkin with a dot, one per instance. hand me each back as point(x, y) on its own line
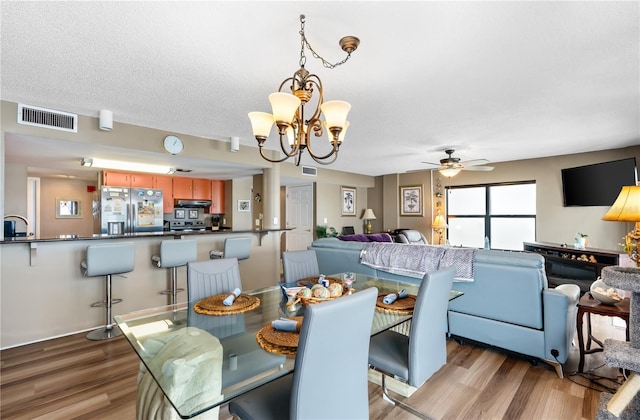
point(391, 297)
point(284, 324)
point(228, 301)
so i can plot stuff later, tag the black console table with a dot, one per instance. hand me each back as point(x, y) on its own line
point(566, 264)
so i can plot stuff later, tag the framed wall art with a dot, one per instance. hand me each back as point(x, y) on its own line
point(68, 208)
point(348, 200)
point(244, 205)
point(411, 200)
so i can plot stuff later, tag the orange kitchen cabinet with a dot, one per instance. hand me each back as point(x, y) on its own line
point(217, 197)
point(192, 188)
point(125, 179)
point(165, 183)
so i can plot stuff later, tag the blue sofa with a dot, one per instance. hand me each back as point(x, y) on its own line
point(507, 305)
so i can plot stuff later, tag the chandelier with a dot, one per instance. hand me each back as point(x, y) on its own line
point(288, 110)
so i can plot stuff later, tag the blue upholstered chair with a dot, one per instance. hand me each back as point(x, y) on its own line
point(237, 247)
point(297, 265)
point(212, 277)
point(311, 391)
point(414, 358)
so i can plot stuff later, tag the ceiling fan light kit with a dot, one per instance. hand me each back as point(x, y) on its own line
point(451, 166)
point(294, 129)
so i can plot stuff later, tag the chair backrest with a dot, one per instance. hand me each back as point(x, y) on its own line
point(175, 253)
point(212, 277)
point(348, 230)
point(319, 368)
point(109, 259)
point(237, 247)
point(427, 337)
point(297, 265)
point(411, 237)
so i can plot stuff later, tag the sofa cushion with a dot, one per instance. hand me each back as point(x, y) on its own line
point(370, 237)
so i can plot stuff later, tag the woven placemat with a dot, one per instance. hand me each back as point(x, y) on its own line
point(400, 306)
point(310, 281)
point(213, 305)
point(278, 342)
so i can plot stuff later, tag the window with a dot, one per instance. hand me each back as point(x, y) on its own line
point(504, 213)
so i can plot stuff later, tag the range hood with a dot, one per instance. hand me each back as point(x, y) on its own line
point(181, 203)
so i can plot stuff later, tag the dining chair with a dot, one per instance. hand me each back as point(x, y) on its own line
point(212, 277)
point(329, 380)
point(414, 358)
point(297, 265)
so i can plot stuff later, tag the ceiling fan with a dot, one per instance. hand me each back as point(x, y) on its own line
point(450, 166)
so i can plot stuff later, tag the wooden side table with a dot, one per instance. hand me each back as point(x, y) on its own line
point(589, 305)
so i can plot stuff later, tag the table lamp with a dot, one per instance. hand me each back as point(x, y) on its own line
point(368, 216)
point(439, 225)
point(626, 208)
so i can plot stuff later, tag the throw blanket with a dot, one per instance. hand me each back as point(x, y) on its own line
point(416, 260)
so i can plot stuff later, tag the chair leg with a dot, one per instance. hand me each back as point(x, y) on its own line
point(109, 330)
point(386, 396)
point(174, 290)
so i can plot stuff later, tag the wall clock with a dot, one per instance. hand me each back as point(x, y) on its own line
point(173, 145)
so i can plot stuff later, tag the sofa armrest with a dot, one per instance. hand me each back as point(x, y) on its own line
point(560, 309)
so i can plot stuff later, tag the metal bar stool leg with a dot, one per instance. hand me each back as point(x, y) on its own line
point(110, 330)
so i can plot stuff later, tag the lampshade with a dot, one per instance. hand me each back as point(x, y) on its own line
point(261, 122)
point(335, 113)
point(450, 172)
point(284, 106)
point(368, 215)
point(439, 222)
point(626, 208)
point(127, 166)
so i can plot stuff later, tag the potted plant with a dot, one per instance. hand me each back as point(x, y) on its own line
point(326, 232)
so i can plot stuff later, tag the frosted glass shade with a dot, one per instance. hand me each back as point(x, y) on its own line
point(626, 208)
point(450, 172)
point(291, 136)
point(261, 123)
point(283, 106)
point(335, 113)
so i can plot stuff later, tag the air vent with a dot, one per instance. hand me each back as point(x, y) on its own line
point(47, 118)
point(184, 170)
point(309, 170)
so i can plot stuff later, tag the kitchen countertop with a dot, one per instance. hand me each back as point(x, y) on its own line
point(60, 238)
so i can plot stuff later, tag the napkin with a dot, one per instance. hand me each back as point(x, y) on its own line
point(284, 324)
point(228, 301)
point(391, 297)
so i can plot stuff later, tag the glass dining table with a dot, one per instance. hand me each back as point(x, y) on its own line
point(245, 364)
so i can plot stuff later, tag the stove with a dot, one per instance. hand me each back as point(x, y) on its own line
point(186, 225)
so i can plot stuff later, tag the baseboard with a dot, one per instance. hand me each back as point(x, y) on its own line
point(394, 385)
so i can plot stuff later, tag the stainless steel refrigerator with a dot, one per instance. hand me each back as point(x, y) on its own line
point(130, 210)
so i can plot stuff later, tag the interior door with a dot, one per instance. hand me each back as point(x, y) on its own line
point(299, 213)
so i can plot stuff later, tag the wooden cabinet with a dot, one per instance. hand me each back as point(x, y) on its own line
point(192, 188)
point(217, 197)
point(124, 179)
point(165, 183)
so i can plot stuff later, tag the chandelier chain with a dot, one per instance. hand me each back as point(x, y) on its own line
point(305, 42)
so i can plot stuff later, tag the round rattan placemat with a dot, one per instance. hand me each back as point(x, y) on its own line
point(400, 306)
point(278, 342)
point(213, 305)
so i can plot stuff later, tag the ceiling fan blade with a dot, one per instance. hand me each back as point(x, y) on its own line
point(431, 163)
point(478, 168)
point(475, 162)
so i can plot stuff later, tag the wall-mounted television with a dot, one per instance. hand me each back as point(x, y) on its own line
point(598, 184)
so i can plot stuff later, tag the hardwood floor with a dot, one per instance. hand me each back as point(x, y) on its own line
point(74, 378)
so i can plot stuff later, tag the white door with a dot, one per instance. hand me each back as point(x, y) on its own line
point(299, 217)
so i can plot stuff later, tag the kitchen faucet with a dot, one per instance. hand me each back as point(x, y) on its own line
point(24, 219)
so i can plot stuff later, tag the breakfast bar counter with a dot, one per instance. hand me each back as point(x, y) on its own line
point(45, 295)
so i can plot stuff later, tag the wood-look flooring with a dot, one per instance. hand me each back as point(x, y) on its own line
point(74, 378)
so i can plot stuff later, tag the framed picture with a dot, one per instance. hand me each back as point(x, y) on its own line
point(68, 208)
point(244, 205)
point(411, 200)
point(180, 213)
point(193, 214)
point(348, 200)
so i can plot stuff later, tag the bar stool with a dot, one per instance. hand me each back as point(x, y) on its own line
point(238, 247)
point(106, 260)
point(174, 254)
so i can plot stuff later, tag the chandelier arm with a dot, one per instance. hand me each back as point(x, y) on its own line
point(271, 160)
point(323, 162)
point(334, 151)
point(294, 149)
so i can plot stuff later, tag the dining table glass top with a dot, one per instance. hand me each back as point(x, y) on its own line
point(175, 336)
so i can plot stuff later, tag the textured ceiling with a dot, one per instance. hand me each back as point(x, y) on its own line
point(494, 80)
